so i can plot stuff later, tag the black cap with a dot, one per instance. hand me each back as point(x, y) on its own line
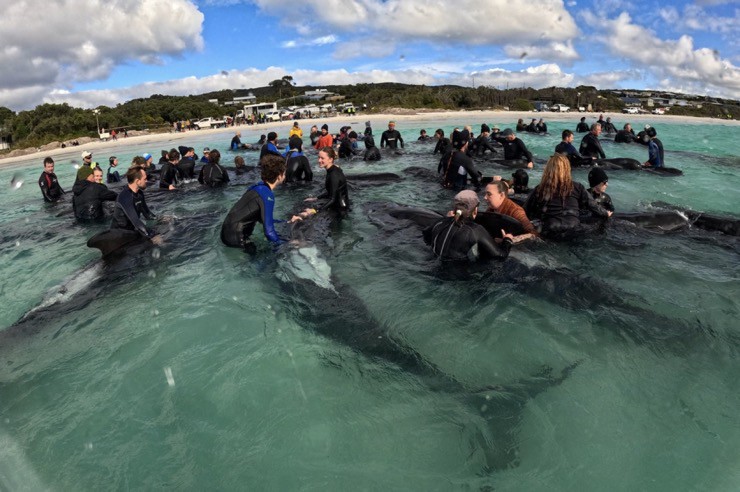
point(325, 127)
point(507, 132)
point(597, 176)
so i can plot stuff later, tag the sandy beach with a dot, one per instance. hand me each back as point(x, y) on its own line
point(378, 121)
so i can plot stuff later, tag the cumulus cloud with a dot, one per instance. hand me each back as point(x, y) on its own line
point(472, 22)
point(702, 68)
point(319, 41)
point(69, 41)
point(553, 51)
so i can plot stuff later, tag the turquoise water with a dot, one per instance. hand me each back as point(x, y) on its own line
point(191, 367)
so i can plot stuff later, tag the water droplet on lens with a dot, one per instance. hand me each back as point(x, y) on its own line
point(234, 299)
point(17, 243)
point(156, 253)
point(484, 408)
point(88, 445)
point(152, 274)
point(168, 375)
point(155, 312)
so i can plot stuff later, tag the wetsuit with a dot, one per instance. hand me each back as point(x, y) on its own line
point(345, 149)
point(256, 205)
point(112, 176)
point(213, 175)
point(561, 216)
point(336, 196)
point(457, 167)
point(542, 127)
point(127, 214)
point(168, 175)
point(532, 127)
point(297, 167)
point(186, 168)
point(372, 153)
point(50, 188)
point(591, 147)
point(391, 139)
point(269, 148)
point(463, 239)
point(602, 199)
point(236, 142)
point(88, 198)
point(623, 136)
point(521, 127)
point(481, 144)
point(575, 158)
point(608, 127)
point(443, 145)
point(655, 156)
point(582, 127)
point(515, 149)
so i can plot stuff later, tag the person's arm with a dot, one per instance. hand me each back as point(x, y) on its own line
point(224, 173)
point(400, 138)
point(166, 176)
point(585, 200)
point(107, 195)
point(599, 148)
point(519, 214)
point(44, 185)
point(383, 138)
point(126, 203)
point(488, 248)
point(268, 222)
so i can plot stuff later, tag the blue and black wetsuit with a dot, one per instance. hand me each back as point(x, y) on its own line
point(297, 167)
point(112, 176)
point(127, 214)
point(655, 156)
point(256, 205)
point(236, 142)
point(269, 148)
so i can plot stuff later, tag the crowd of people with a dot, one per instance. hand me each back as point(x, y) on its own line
point(552, 210)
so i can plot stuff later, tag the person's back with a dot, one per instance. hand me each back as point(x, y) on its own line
point(88, 198)
point(186, 167)
point(561, 214)
point(213, 174)
point(298, 168)
point(371, 151)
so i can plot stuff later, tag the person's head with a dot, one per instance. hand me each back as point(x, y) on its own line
point(463, 138)
point(596, 129)
point(165, 154)
point(422, 133)
point(628, 127)
point(48, 165)
point(113, 160)
point(97, 175)
point(496, 192)
point(567, 136)
point(608, 119)
point(556, 178)
point(509, 134)
point(314, 129)
point(391, 125)
point(352, 135)
point(296, 143)
point(272, 169)
point(651, 132)
point(190, 152)
point(85, 173)
point(583, 119)
point(521, 120)
point(484, 128)
point(327, 156)
point(138, 161)
point(295, 124)
point(214, 156)
point(324, 129)
point(598, 180)
point(239, 134)
point(206, 152)
point(520, 179)
point(272, 137)
point(239, 162)
point(147, 159)
point(136, 175)
point(541, 121)
point(439, 133)
point(465, 204)
point(173, 156)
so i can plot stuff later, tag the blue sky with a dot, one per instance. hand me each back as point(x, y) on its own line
point(125, 49)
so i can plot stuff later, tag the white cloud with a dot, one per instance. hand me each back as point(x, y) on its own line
point(301, 43)
point(553, 51)
point(70, 41)
point(702, 69)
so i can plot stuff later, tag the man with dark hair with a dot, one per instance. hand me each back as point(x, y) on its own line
point(270, 147)
point(514, 148)
point(346, 148)
point(566, 147)
point(590, 145)
point(89, 195)
point(168, 173)
point(213, 174)
point(325, 139)
point(582, 126)
point(391, 137)
point(443, 143)
point(48, 182)
point(457, 165)
point(130, 206)
point(186, 167)
point(256, 205)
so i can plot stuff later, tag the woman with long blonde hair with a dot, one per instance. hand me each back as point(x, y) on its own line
point(558, 201)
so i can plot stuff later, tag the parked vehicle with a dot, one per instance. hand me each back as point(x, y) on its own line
point(209, 123)
point(659, 111)
point(581, 109)
point(631, 110)
point(562, 108)
point(272, 116)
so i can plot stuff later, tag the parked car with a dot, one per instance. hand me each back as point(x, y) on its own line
point(581, 109)
point(562, 108)
point(631, 110)
point(209, 123)
point(659, 111)
point(272, 116)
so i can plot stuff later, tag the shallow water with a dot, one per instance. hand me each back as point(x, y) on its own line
point(192, 367)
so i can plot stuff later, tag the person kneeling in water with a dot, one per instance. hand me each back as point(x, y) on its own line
point(256, 205)
point(458, 237)
point(598, 180)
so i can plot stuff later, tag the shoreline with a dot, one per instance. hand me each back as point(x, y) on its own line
point(378, 121)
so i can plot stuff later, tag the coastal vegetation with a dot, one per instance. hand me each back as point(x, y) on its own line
point(61, 122)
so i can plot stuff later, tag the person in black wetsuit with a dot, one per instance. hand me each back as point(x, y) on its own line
point(608, 126)
point(131, 205)
point(336, 197)
point(541, 126)
point(582, 126)
point(514, 148)
point(48, 182)
point(213, 174)
point(346, 147)
point(391, 137)
point(236, 142)
point(89, 195)
point(186, 167)
point(558, 201)
point(532, 127)
point(521, 126)
point(456, 165)
point(590, 145)
point(256, 205)
point(297, 167)
point(423, 137)
point(598, 181)
point(168, 175)
point(566, 147)
point(112, 175)
point(372, 153)
point(443, 143)
point(458, 237)
point(626, 135)
point(482, 143)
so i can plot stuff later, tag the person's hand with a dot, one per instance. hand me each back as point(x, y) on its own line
point(609, 213)
point(530, 165)
point(308, 212)
point(310, 199)
point(451, 213)
point(295, 218)
point(505, 235)
point(157, 240)
point(172, 187)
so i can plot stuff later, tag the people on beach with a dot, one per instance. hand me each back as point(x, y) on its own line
point(51, 190)
point(391, 138)
point(89, 195)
